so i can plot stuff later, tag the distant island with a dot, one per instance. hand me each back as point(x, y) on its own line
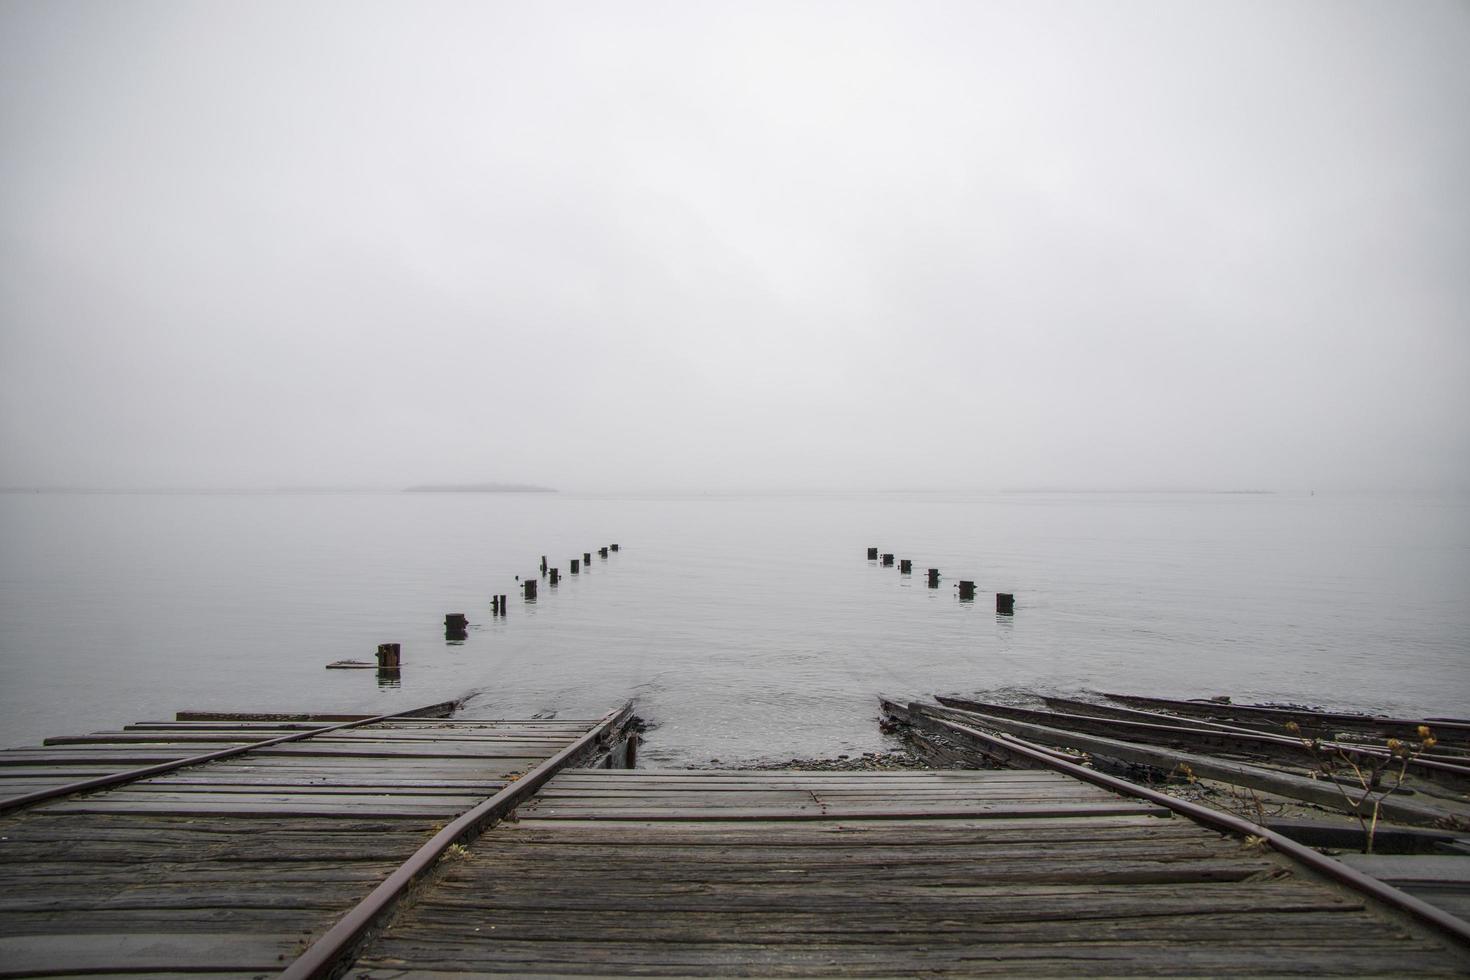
point(479, 488)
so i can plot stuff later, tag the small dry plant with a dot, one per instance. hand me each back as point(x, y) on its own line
point(1377, 775)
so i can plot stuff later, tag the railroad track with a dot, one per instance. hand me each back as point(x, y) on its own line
point(250, 856)
point(20, 769)
point(1025, 745)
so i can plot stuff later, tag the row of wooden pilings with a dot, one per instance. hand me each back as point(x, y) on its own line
point(1005, 602)
point(457, 625)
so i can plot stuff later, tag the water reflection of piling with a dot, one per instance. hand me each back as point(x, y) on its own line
point(1005, 603)
point(967, 591)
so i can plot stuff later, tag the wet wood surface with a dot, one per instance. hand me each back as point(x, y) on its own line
point(920, 873)
point(234, 866)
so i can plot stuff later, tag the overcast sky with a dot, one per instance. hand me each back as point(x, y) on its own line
point(726, 246)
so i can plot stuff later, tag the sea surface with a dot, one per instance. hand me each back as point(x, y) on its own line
point(746, 628)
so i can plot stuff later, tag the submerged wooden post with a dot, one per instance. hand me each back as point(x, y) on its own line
point(575, 563)
point(1005, 603)
point(530, 587)
point(933, 578)
point(887, 561)
point(905, 566)
point(967, 591)
point(872, 554)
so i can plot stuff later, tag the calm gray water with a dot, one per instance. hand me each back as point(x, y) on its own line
point(746, 627)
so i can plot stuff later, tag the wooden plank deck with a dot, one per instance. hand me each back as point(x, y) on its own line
point(1440, 879)
point(783, 873)
point(234, 866)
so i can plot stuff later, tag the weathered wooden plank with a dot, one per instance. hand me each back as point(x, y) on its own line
point(1089, 794)
point(881, 927)
point(402, 808)
point(1438, 868)
point(836, 812)
point(153, 738)
point(162, 798)
point(388, 750)
point(1053, 959)
point(472, 790)
point(1001, 901)
point(878, 775)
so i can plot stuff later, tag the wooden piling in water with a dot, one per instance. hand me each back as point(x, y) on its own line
point(456, 621)
point(602, 551)
point(587, 558)
point(530, 588)
point(612, 547)
point(887, 561)
point(555, 574)
point(933, 578)
point(1005, 603)
point(872, 554)
point(905, 566)
point(543, 566)
point(389, 656)
point(967, 591)
point(576, 564)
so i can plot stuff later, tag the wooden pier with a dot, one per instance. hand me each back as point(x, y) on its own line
point(434, 847)
point(233, 867)
point(786, 873)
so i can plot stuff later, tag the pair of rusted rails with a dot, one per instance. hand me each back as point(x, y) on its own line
point(1011, 750)
point(332, 951)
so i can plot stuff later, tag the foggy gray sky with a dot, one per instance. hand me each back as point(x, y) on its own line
point(735, 245)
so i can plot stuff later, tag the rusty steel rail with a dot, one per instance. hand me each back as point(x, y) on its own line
point(1430, 915)
point(1281, 748)
point(331, 953)
point(1454, 728)
point(131, 775)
